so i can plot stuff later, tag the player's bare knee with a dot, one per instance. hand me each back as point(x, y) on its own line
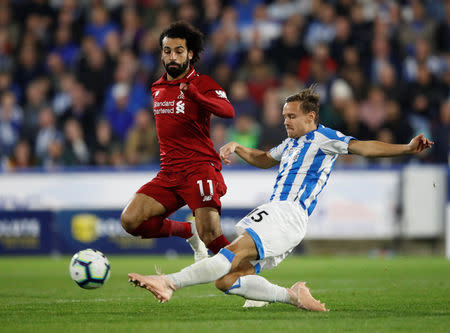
point(128, 221)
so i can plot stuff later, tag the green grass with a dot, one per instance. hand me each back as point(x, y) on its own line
point(364, 295)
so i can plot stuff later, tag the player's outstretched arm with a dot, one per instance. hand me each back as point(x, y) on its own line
point(381, 149)
point(255, 157)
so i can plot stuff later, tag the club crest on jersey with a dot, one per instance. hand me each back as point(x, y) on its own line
point(294, 151)
point(221, 94)
point(180, 107)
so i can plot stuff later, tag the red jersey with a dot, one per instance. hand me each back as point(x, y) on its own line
point(183, 118)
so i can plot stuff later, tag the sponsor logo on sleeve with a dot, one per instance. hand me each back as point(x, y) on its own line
point(222, 94)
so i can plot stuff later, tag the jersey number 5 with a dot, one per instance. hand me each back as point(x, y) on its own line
point(257, 215)
point(202, 191)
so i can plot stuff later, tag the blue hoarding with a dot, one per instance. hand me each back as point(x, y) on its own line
point(102, 230)
point(27, 232)
point(68, 231)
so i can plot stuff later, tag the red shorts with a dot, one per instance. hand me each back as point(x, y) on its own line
point(202, 186)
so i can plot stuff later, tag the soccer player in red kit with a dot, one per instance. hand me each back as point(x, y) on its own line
point(183, 101)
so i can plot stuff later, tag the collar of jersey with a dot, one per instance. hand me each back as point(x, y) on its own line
point(188, 77)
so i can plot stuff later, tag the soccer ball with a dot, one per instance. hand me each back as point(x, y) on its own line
point(89, 269)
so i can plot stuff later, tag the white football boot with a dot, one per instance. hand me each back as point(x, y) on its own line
point(200, 250)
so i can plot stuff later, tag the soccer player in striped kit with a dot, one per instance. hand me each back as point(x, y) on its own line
point(271, 231)
point(183, 102)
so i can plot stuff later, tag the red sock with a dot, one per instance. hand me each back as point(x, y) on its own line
point(217, 244)
point(180, 229)
point(157, 227)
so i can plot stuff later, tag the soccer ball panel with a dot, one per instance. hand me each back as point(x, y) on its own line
point(89, 268)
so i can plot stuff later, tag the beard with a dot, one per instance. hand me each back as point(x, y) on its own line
point(178, 70)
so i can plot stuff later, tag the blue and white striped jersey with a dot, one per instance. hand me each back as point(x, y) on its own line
point(305, 165)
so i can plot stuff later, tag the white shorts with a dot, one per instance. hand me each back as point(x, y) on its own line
point(276, 228)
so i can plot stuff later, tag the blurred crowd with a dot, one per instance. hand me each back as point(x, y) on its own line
point(75, 75)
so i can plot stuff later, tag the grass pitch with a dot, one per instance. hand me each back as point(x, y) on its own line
point(364, 295)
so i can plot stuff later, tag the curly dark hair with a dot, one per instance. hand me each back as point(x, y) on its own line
point(309, 100)
point(184, 30)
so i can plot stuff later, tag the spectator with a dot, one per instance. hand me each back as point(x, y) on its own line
point(94, 71)
point(424, 94)
point(62, 99)
point(322, 29)
point(418, 26)
point(11, 27)
point(7, 85)
point(392, 87)
point(54, 157)
point(219, 135)
point(141, 145)
point(373, 109)
point(422, 55)
point(341, 96)
point(245, 8)
point(342, 39)
point(397, 122)
point(148, 55)
point(442, 35)
point(106, 146)
point(65, 46)
point(211, 10)
point(112, 46)
point(47, 133)
point(245, 131)
point(125, 74)
point(261, 31)
point(29, 67)
point(272, 128)
point(12, 108)
point(441, 130)
point(352, 123)
point(131, 31)
point(100, 25)
point(56, 68)
point(10, 123)
point(321, 57)
point(82, 111)
point(282, 10)
point(119, 112)
point(36, 100)
point(361, 30)
point(259, 74)
point(219, 50)
point(241, 100)
point(223, 75)
point(76, 151)
point(22, 158)
point(286, 49)
point(290, 85)
point(381, 55)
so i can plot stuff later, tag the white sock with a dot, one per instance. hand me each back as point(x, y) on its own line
point(204, 271)
point(257, 288)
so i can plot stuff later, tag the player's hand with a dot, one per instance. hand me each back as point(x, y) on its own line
point(189, 89)
point(419, 144)
point(226, 151)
